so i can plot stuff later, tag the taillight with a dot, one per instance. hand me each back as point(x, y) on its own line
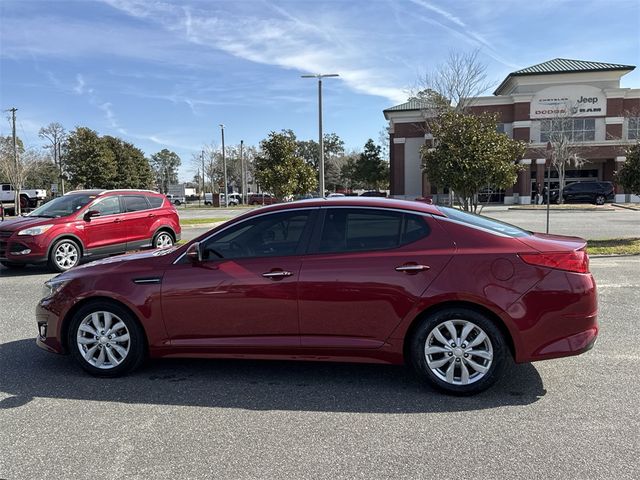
point(574, 261)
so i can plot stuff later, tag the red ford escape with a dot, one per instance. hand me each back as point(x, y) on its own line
point(88, 224)
point(345, 279)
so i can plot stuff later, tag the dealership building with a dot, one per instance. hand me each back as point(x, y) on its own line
point(600, 117)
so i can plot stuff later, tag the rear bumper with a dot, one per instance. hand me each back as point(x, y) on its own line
point(557, 318)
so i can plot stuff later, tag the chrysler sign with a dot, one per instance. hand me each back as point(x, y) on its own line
point(569, 101)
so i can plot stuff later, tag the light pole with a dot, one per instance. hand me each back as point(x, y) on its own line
point(320, 76)
point(224, 168)
point(242, 185)
point(549, 159)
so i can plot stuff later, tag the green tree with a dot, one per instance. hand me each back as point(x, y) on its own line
point(469, 155)
point(629, 174)
point(371, 171)
point(279, 170)
point(43, 174)
point(88, 160)
point(132, 168)
point(165, 165)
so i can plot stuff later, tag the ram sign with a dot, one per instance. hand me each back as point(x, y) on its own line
point(569, 101)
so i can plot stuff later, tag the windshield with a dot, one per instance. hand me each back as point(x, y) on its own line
point(484, 222)
point(62, 206)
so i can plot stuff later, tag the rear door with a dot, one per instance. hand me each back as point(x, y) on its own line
point(138, 220)
point(366, 270)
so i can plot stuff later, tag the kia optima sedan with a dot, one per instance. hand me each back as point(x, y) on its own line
point(349, 280)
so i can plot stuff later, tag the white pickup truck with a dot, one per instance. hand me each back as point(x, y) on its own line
point(28, 198)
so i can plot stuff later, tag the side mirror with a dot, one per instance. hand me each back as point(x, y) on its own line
point(194, 254)
point(91, 213)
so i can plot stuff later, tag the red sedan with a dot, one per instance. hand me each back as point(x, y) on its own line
point(348, 279)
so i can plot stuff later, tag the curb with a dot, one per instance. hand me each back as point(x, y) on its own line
point(570, 209)
point(627, 207)
point(202, 225)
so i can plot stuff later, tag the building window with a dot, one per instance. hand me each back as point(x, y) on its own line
point(633, 132)
point(500, 128)
point(575, 129)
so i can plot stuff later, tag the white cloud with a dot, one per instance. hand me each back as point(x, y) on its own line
point(80, 84)
point(285, 41)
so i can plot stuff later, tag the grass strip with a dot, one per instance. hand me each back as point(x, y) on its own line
point(614, 246)
point(201, 221)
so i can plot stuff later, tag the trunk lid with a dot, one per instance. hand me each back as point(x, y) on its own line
point(544, 242)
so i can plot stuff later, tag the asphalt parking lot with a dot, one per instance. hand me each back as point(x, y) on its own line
point(571, 418)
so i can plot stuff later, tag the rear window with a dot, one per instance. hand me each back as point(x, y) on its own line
point(353, 230)
point(135, 203)
point(155, 202)
point(485, 223)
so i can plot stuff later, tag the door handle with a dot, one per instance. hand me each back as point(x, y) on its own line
point(151, 215)
point(117, 220)
point(277, 275)
point(412, 268)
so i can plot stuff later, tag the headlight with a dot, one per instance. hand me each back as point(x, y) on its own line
point(35, 230)
point(53, 286)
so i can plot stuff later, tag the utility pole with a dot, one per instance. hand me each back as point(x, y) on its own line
point(203, 192)
point(224, 167)
point(242, 185)
point(320, 76)
point(16, 198)
point(60, 167)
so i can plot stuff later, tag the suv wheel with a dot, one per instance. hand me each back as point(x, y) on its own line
point(163, 239)
point(600, 199)
point(64, 254)
point(105, 339)
point(459, 351)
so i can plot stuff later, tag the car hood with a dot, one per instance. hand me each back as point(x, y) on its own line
point(21, 223)
point(544, 242)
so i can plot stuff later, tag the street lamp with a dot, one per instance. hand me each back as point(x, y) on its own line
point(549, 160)
point(320, 76)
point(224, 168)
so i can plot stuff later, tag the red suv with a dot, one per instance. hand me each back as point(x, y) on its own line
point(88, 224)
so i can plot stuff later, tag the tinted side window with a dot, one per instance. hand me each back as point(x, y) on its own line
point(272, 235)
point(135, 203)
point(155, 202)
point(107, 206)
point(352, 230)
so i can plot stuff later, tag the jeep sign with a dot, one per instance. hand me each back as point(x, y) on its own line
point(569, 101)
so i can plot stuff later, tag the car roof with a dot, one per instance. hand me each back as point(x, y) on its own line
point(98, 192)
point(377, 202)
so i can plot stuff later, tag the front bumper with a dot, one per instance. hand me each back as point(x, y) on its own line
point(49, 319)
point(23, 249)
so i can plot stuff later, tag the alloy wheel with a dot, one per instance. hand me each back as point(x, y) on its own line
point(164, 240)
point(458, 352)
point(103, 340)
point(66, 255)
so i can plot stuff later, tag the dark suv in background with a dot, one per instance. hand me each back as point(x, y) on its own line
point(586, 192)
point(88, 223)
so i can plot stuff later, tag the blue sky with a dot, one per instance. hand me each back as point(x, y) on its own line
point(164, 74)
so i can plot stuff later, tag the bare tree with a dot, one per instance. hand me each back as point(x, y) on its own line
point(56, 134)
point(452, 85)
point(562, 143)
point(16, 170)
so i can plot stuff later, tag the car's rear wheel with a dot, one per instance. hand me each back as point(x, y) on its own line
point(163, 239)
point(106, 340)
point(600, 199)
point(458, 350)
point(64, 255)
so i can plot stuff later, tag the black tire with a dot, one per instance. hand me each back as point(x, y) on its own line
point(56, 263)
point(135, 346)
point(13, 266)
point(177, 202)
point(24, 201)
point(599, 200)
point(161, 239)
point(418, 355)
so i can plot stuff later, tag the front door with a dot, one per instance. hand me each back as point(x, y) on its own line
point(104, 234)
point(244, 292)
point(366, 271)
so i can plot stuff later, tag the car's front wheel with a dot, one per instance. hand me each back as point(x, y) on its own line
point(458, 350)
point(600, 200)
point(64, 254)
point(105, 339)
